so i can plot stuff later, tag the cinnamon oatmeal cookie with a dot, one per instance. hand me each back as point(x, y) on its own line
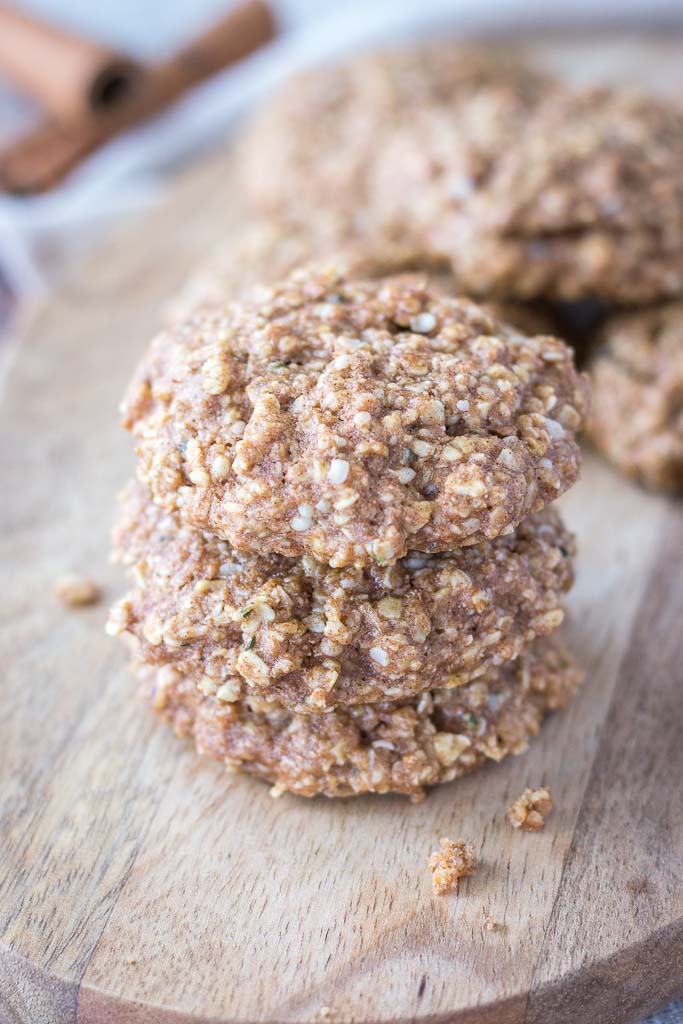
point(311, 637)
point(265, 249)
point(637, 381)
point(588, 200)
point(372, 748)
point(316, 141)
point(355, 420)
point(430, 166)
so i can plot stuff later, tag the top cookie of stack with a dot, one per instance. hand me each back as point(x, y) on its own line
point(355, 420)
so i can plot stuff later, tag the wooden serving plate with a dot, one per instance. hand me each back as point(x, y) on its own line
point(143, 885)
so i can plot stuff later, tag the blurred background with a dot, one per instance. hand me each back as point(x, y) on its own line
point(39, 232)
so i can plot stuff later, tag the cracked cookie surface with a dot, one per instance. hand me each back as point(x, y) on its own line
point(355, 420)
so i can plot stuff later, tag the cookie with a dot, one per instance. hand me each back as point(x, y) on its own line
point(314, 144)
point(398, 747)
point(263, 250)
point(355, 420)
point(588, 201)
point(637, 410)
point(313, 638)
point(431, 165)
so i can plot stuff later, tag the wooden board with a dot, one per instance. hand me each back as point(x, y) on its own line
point(140, 883)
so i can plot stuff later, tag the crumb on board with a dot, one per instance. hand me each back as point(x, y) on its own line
point(451, 862)
point(529, 811)
point(491, 923)
point(638, 886)
point(77, 591)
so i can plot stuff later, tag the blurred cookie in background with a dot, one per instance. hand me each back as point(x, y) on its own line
point(636, 376)
point(587, 201)
point(318, 140)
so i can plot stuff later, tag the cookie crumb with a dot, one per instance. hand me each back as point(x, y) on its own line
point(638, 886)
point(451, 862)
point(528, 812)
point(77, 591)
point(492, 924)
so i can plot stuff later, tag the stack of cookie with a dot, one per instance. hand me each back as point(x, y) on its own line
point(343, 563)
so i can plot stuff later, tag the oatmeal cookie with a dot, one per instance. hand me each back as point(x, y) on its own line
point(312, 637)
point(588, 200)
point(266, 249)
point(637, 380)
point(316, 141)
point(430, 166)
point(372, 748)
point(355, 420)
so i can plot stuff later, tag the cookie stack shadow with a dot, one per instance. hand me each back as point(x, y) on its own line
point(345, 572)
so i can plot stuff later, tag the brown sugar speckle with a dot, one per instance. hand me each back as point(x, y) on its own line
point(451, 862)
point(528, 812)
point(77, 591)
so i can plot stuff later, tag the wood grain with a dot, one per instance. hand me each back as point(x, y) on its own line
point(140, 883)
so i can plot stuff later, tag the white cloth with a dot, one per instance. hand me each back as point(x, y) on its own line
point(672, 1014)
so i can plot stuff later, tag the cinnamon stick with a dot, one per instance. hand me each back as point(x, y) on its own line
point(67, 75)
point(46, 155)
